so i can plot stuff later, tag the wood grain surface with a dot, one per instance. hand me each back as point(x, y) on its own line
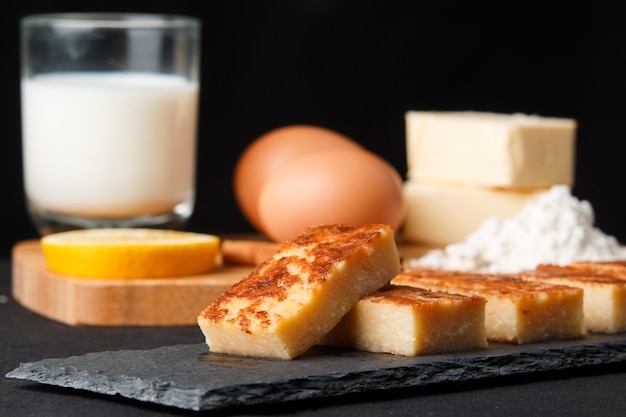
point(140, 302)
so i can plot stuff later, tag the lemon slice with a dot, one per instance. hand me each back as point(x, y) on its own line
point(129, 253)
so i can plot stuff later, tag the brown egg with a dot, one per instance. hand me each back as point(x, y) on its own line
point(350, 186)
point(270, 152)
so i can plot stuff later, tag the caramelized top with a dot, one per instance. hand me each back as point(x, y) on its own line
point(615, 269)
point(412, 296)
point(616, 265)
point(291, 275)
point(580, 273)
point(478, 283)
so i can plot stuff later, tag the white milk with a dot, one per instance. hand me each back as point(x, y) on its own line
point(109, 145)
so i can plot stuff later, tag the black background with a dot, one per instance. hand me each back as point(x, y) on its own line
point(357, 67)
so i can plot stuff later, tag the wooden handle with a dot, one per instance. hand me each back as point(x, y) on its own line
point(247, 252)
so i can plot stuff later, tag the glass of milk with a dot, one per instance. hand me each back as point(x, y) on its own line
point(109, 119)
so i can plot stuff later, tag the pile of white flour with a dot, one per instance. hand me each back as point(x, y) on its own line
point(555, 228)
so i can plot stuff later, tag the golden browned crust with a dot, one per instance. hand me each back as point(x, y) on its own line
point(413, 296)
point(604, 291)
point(614, 269)
point(487, 284)
point(517, 310)
point(305, 261)
point(412, 321)
point(293, 298)
point(557, 273)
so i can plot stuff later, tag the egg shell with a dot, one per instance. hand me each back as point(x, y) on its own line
point(270, 152)
point(350, 186)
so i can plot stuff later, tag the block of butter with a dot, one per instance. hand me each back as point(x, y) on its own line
point(442, 214)
point(490, 149)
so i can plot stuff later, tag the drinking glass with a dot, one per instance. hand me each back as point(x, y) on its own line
point(109, 119)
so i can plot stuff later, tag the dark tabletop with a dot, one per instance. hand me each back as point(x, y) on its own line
point(27, 337)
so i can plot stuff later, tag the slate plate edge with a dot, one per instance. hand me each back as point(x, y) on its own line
point(446, 368)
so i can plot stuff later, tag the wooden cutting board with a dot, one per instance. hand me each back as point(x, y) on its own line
point(140, 302)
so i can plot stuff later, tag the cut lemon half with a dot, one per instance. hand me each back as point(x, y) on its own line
point(130, 253)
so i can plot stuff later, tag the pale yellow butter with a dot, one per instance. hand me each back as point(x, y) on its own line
point(443, 214)
point(490, 149)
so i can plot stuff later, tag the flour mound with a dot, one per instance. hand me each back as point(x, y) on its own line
point(554, 228)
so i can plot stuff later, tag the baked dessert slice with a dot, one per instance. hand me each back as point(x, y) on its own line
point(604, 302)
point(517, 311)
point(412, 321)
point(291, 300)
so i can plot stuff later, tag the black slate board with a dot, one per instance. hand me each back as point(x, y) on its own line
point(192, 378)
